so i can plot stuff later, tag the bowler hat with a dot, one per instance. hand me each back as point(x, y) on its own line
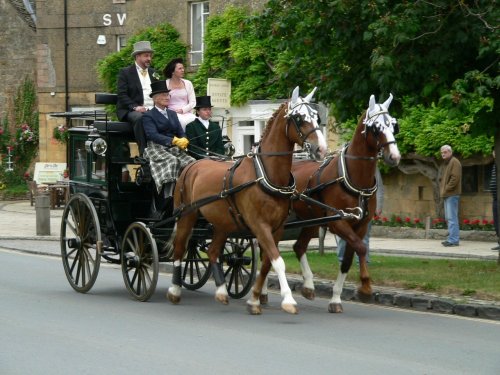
point(141, 47)
point(203, 102)
point(158, 87)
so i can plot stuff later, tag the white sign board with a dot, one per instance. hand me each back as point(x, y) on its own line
point(49, 173)
point(219, 91)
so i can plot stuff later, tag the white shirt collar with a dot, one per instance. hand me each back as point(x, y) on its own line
point(206, 123)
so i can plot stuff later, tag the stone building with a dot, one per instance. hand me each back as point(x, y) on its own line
point(18, 42)
point(71, 36)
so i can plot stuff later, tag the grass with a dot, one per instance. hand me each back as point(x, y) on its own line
point(453, 277)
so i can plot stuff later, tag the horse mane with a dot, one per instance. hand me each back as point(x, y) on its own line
point(270, 122)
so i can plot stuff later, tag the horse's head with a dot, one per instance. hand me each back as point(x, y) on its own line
point(305, 119)
point(384, 127)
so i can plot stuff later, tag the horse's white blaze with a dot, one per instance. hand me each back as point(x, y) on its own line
point(279, 267)
point(337, 287)
point(394, 153)
point(306, 272)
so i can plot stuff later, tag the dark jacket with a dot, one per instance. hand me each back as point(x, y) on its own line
point(130, 91)
point(159, 129)
point(204, 142)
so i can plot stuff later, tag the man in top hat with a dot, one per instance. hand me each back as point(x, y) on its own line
point(205, 136)
point(134, 87)
point(166, 141)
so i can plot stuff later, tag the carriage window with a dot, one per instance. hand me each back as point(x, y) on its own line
point(199, 16)
point(99, 167)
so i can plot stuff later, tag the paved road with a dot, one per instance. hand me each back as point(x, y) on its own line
point(47, 328)
point(18, 231)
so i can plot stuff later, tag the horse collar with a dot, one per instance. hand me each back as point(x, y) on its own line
point(267, 185)
point(344, 177)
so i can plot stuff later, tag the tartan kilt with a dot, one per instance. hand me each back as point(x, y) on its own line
point(166, 163)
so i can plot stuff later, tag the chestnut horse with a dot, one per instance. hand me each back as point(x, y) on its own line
point(344, 181)
point(255, 196)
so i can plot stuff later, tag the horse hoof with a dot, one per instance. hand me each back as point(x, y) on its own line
point(173, 298)
point(289, 308)
point(222, 298)
point(254, 309)
point(364, 296)
point(308, 293)
point(263, 299)
point(335, 308)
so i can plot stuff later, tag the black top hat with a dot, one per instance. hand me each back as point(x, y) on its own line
point(203, 102)
point(158, 87)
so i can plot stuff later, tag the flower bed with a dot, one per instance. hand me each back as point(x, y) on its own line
point(437, 223)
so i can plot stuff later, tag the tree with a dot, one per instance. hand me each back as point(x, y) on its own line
point(165, 42)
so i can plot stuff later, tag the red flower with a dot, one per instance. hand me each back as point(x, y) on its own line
point(492, 222)
point(485, 222)
point(466, 221)
point(384, 219)
point(407, 220)
point(416, 220)
point(398, 219)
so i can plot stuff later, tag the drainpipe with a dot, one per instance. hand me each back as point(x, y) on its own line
point(66, 75)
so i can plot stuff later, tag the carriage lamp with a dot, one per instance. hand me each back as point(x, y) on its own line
point(95, 143)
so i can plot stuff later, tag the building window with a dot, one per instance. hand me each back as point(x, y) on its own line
point(121, 41)
point(469, 179)
point(199, 16)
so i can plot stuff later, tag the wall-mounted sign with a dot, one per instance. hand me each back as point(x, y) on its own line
point(107, 19)
point(220, 92)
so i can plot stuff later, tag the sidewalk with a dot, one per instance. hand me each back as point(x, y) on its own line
point(18, 232)
point(18, 221)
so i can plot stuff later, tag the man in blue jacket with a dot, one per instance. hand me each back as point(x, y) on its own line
point(166, 141)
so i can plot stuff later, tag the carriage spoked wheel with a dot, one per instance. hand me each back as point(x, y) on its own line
point(81, 244)
point(195, 265)
point(140, 264)
point(239, 261)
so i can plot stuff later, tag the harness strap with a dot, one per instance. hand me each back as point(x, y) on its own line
point(344, 178)
point(268, 186)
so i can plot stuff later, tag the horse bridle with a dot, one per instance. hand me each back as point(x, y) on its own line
point(371, 122)
point(298, 120)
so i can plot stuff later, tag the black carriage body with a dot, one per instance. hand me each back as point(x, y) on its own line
point(108, 179)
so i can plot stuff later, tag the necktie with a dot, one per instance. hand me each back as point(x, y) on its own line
point(144, 72)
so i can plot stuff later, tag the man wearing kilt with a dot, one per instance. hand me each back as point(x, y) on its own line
point(166, 141)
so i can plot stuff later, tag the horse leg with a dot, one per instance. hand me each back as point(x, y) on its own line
point(182, 233)
point(335, 304)
point(214, 250)
point(300, 248)
point(257, 298)
point(365, 290)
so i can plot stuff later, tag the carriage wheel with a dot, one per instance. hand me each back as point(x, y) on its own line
point(140, 265)
point(240, 265)
point(81, 244)
point(196, 266)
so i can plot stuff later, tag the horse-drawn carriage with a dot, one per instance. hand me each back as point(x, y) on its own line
point(111, 211)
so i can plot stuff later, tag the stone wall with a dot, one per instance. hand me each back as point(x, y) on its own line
point(18, 41)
